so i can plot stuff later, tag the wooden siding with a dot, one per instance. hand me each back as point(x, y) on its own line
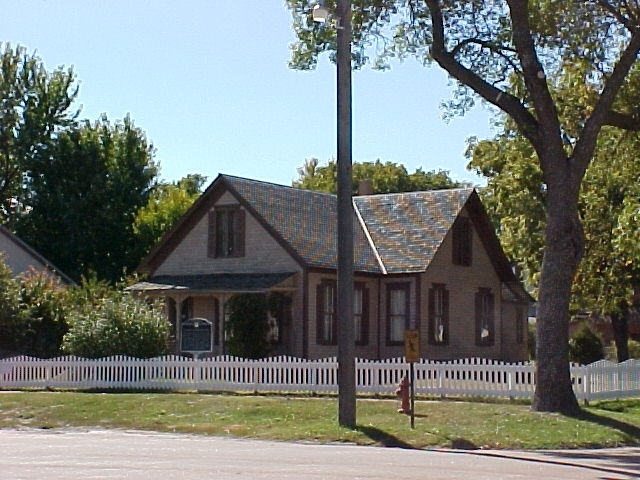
point(463, 283)
point(17, 258)
point(263, 254)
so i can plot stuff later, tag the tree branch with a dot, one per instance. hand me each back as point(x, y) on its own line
point(586, 144)
point(623, 121)
point(535, 81)
point(501, 99)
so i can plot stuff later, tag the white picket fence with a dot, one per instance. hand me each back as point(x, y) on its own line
point(469, 377)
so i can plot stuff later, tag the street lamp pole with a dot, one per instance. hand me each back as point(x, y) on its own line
point(346, 333)
point(346, 340)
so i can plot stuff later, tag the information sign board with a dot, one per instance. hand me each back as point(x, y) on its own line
point(196, 335)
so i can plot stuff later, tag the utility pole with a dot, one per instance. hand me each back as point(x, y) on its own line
point(346, 340)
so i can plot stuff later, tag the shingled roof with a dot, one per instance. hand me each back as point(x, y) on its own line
point(393, 233)
point(305, 220)
point(406, 229)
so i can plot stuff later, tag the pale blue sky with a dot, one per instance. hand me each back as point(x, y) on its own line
point(208, 82)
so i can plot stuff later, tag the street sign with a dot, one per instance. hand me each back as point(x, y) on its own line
point(411, 346)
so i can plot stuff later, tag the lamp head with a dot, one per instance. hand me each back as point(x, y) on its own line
point(320, 13)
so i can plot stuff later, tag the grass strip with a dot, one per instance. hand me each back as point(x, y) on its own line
point(442, 423)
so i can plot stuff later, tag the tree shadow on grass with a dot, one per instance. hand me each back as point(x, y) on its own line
point(385, 439)
point(631, 431)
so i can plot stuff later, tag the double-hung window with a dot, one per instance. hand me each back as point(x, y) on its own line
point(438, 314)
point(326, 303)
point(485, 324)
point(327, 320)
point(397, 312)
point(226, 232)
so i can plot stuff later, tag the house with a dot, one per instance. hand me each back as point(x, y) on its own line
point(21, 258)
point(423, 260)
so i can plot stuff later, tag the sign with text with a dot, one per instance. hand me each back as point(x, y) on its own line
point(196, 335)
point(411, 346)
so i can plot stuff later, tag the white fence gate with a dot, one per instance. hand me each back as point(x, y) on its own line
point(469, 377)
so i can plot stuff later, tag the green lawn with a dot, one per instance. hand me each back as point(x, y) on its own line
point(459, 424)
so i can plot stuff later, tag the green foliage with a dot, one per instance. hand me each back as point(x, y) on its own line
point(32, 313)
point(585, 346)
point(34, 105)
point(9, 302)
point(85, 194)
point(167, 204)
point(41, 322)
point(115, 323)
point(247, 325)
point(385, 177)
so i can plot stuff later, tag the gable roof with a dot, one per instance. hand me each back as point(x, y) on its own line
point(7, 238)
point(393, 233)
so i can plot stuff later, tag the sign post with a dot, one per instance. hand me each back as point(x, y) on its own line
point(412, 355)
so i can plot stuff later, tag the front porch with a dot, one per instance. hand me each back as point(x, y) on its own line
point(204, 297)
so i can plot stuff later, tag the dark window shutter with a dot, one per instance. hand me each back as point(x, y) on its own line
point(492, 323)
point(431, 312)
point(445, 315)
point(478, 315)
point(365, 317)
point(211, 239)
point(319, 313)
point(240, 233)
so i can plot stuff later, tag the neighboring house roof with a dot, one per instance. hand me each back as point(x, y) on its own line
point(19, 256)
point(393, 233)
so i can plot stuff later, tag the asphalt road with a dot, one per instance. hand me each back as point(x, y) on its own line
point(113, 454)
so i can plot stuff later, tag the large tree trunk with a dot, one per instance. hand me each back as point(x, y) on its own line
point(562, 254)
point(620, 326)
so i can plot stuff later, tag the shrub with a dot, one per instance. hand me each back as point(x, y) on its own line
point(32, 313)
point(116, 324)
point(585, 347)
point(41, 322)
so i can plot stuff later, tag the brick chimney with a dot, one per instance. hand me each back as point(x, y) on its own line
point(365, 187)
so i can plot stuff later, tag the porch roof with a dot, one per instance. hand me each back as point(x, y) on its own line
point(216, 282)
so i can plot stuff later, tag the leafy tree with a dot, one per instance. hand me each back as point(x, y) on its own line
point(167, 203)
point(34, 105)
point(108, 322)
point(248, 325)
point(505, 52)
point(385, 177)
point(84, 196)
point(515, 194)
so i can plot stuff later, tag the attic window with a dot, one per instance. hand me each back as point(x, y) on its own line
point(226, 232)
point(462, 240)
